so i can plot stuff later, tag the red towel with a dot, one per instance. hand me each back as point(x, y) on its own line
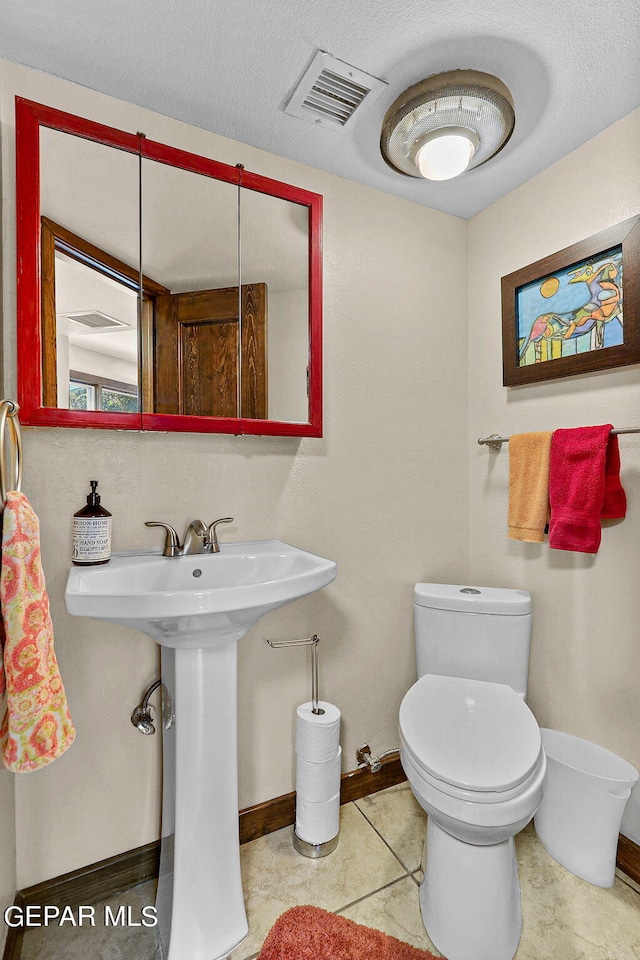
point(584, 486)
point(615, 500)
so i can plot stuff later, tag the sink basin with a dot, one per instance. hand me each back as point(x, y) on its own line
point(200, 600)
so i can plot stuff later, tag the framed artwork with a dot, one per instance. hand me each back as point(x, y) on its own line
point(575, 311)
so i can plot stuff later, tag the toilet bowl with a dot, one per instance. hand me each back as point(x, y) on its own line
point(473, 755)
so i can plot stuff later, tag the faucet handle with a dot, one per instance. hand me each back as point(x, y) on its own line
point(212, 538)
point(172, 546)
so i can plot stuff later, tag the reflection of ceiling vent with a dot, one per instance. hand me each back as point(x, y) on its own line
point(95, 320)
point(331, 91)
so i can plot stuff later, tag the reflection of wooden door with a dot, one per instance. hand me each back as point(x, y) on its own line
point(57, 239)
point(197, 352)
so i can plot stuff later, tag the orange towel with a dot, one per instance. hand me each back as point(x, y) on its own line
point(36, 727)
point(529, 485)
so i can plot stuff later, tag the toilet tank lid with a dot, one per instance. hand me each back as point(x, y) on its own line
point(494, 600)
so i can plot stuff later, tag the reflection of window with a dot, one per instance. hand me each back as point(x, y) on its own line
point(82, 396)
point(87, 392)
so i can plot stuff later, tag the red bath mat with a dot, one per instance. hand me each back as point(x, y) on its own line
point(309, 933)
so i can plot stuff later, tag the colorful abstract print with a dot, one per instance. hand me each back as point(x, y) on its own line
point(36, 727)
point(573, 311)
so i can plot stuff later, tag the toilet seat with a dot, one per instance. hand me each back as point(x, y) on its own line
point(470, 739)
point(511, 810)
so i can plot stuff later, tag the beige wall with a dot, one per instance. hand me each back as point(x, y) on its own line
point(586, 649)
point(384, 493)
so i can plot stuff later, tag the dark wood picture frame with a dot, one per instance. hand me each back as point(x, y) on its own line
point(624, 235)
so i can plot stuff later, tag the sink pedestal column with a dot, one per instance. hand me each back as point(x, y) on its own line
point(201, 910)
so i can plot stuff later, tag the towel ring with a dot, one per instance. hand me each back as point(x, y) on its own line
point(9, 419)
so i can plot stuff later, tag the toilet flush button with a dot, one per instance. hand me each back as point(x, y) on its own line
point(470, 590)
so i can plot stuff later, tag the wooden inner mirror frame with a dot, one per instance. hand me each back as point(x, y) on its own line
point(202, 327)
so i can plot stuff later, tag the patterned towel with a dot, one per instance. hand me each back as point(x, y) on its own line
point(36, 727)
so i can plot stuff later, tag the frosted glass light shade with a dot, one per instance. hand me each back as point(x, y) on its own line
point(458, 102)
point(445, 157)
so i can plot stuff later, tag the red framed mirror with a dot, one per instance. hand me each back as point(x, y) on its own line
point(159, 289)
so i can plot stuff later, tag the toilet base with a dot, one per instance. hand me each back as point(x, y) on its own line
point(470, 897)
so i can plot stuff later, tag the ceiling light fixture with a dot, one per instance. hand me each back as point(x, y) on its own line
point(446, 124)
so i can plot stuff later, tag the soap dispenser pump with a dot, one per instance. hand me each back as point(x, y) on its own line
point(91, 531)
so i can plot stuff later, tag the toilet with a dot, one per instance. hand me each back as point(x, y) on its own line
point(473, 755)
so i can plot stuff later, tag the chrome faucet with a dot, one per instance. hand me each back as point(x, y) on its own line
point(197, 539)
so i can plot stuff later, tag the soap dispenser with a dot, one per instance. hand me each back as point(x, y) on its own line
point(91, 531)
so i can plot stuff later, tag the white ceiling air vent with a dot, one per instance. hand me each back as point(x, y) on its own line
point(95, 320)
point(331, 91)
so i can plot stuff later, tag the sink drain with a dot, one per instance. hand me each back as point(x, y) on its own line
point(197, 573)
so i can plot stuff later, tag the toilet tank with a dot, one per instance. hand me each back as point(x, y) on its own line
point(478, 633)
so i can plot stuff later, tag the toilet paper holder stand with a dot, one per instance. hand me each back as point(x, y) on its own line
point(305, 642)
point(311, 850)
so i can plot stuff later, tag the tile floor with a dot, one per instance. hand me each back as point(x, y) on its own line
point(372, 877)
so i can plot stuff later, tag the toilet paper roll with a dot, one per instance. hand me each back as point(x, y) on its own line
point(317, 822)
point(319, 781)
point(317, 735)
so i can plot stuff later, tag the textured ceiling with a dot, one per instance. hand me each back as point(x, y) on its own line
point(572, 66)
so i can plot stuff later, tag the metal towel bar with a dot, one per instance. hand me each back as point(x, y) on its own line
point(495, 442)
point(11, 456)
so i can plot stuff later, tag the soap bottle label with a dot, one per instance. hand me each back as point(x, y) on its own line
point(91, 539)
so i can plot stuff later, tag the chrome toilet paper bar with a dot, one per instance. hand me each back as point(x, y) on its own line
point(306, 642)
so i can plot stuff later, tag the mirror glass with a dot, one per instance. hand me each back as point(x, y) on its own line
point(190, 248)
point(274, 259)
point(159, 289)
point(90, 269)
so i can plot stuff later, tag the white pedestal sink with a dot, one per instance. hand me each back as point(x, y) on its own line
point(197, 607)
